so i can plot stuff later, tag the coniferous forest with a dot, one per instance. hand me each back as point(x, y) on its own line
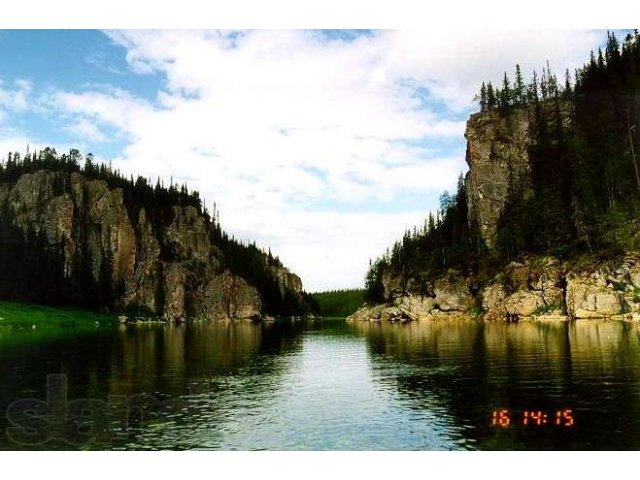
point(338, 303)
point(29, 256)
point(584, 196)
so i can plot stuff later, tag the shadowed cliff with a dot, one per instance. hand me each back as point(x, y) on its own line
point(545, 223)
point(89, 237)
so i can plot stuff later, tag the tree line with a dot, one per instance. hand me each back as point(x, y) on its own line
point(338, 303)
point(449, 238)
point(584, 191)
point(26, 254)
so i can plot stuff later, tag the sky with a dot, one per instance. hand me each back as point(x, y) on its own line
point(324, 145)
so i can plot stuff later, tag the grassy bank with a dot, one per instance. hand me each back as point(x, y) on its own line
point(13, 314)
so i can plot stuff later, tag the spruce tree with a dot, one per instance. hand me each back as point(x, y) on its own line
point(507, 93)
point(483, 97)
point(533, 88)
point(567, 92)
point(518, 93)
point(544, 86)
point(491, 97)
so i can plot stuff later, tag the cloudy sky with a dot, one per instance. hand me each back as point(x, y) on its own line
point(324, 145)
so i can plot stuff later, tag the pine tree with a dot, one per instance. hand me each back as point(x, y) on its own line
point(533, 88)
point(600, 61)
point(567, 92)
point(552, 83)
point(483, 97)
point(491, 98)
point(612, 50)
point(519, 93)
point(507, 94)
point(544, 86)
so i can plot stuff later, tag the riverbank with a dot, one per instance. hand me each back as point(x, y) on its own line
point(32, 315)
point(533, 288)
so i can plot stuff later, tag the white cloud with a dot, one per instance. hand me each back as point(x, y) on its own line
point(453, 63)
point(86, 130)
point(115, 107)
point(15, 97)
point(291, 133)
point(10, 142)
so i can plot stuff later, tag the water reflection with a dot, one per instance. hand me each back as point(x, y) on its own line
point(590, 367)
point(331, 385)
point(188, 362)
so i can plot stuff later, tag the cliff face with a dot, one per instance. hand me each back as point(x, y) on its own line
point(535, 288)
point(170, 270)
point(498, 155)
point(498, 158)
point(583, 288)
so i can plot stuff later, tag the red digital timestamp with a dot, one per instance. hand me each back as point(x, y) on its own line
point(537, 418)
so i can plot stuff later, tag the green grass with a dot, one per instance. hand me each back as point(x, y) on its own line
point(22, 323)
point(30, 315)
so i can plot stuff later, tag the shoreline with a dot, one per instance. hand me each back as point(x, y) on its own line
point(14, 313)
point(380, 314)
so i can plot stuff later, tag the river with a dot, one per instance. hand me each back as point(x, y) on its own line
point(323, 385)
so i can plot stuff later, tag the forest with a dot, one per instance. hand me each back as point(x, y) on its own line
point(338, 303)
point(584, 196)
point(28, 256)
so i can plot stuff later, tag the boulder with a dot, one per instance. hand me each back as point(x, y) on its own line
point(415, 307)
point(588, 296)
point(452, 293)
point(493, 295)
point(523, 303)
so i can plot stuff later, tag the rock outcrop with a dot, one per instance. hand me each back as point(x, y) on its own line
point(545, 288)
point(498, 155)
point(498, 158)
point(168, 269)
point(526, 289)
point(288, 282)
point(447, 297)
point(538, 288)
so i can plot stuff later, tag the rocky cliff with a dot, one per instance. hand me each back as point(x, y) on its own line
point(169, 269)
point(535, 288)
point(498, 154)
point(498, 159)
point(499, 145)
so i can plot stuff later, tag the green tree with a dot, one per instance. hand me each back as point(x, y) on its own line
point(491, 97)
point(506, 92)
point(518, 89)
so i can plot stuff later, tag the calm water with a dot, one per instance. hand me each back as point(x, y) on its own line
point(322, 385)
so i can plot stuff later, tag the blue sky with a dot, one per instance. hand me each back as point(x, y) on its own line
point(78, 60)
point(323, 145)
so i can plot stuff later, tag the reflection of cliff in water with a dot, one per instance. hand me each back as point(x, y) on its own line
point(217, 362)
point(472, 368)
